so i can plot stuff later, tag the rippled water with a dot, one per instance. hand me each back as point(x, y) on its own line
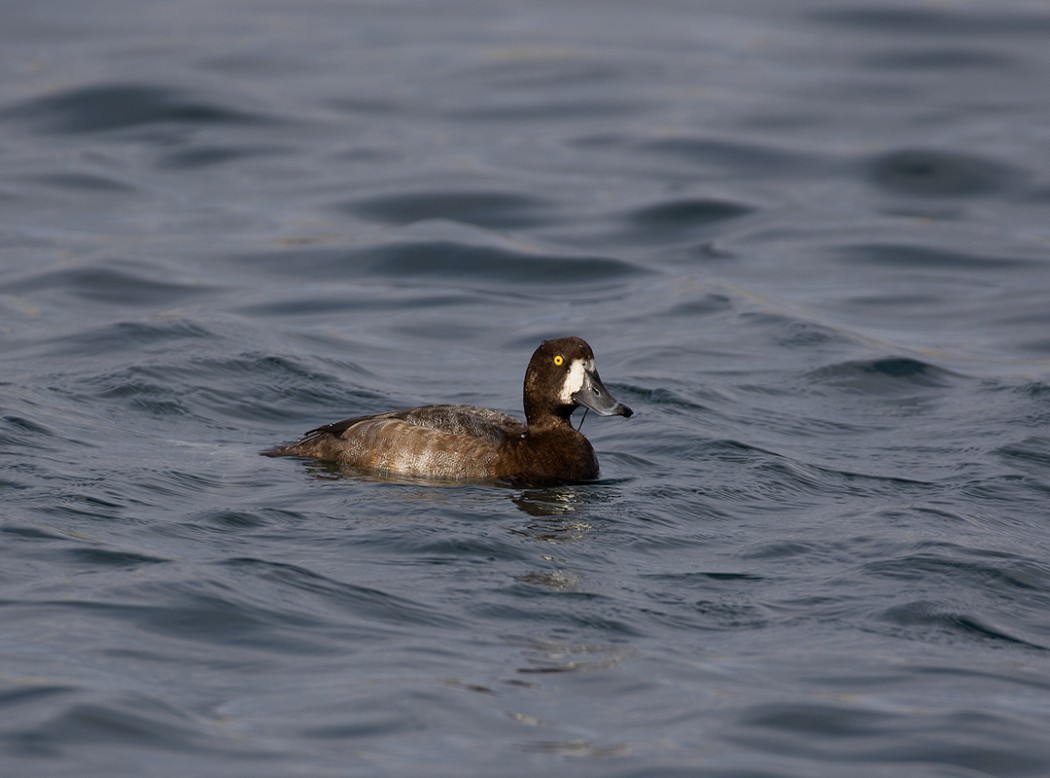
point(809, 244)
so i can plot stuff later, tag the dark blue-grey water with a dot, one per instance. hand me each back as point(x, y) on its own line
point(810, 244)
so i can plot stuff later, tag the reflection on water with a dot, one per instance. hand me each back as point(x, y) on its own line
point(558, 501)
point(555, 580)
point(552, 502)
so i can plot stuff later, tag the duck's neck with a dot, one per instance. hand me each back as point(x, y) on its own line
point(547, 418)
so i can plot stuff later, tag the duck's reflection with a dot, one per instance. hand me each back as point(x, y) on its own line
point(555, 502)
point(555, 580)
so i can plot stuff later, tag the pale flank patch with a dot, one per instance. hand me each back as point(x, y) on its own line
point(574, 380)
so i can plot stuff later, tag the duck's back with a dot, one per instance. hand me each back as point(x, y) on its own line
point(461, 420)
point(433, 441)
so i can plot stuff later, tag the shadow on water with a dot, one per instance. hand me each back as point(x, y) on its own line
point(927, 173)
point(111, 107)
point(495, 209)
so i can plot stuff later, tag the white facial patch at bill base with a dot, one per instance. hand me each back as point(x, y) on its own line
point(575, 379)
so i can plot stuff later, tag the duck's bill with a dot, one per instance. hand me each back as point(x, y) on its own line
point(595, 396)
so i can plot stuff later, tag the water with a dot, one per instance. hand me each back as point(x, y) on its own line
point(809, 245)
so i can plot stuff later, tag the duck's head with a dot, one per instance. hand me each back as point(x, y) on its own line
point(561, 377)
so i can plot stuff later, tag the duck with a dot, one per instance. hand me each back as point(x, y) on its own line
point(468, 443)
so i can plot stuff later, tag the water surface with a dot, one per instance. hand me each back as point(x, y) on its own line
point(809, 245)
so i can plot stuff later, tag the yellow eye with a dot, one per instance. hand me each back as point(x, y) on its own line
point(559, 360)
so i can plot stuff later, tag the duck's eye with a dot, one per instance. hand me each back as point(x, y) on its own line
point(559, 360)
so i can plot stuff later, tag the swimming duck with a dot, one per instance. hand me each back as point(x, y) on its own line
point(466, 443)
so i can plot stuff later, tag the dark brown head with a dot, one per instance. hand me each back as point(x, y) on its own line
point(561, 377)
